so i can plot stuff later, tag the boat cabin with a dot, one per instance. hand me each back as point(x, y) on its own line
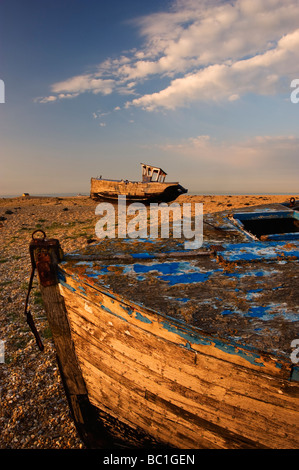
point(152, 173)
point(269, 225)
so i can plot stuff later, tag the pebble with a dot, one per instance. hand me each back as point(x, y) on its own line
point(34, 412)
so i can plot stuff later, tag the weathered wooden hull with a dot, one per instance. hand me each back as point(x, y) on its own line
point(179, 389)
point(189, 351)
point(106, 190)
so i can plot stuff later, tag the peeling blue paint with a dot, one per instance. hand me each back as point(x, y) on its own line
point(234, 349)
point(254, 273)
point(249, 355)
point(277, 287)
point(253, 251)
point(61, 276)
point(143, 255)
point(188, 336)
point(295, 374)
point(227, 312)
point(105, 308)
point(62, 280)
point(142, 318)
point(163, 268)
point(72, 289)
point(188, 278)
point(174, 272)
point(265, 313)
point(127, 309)
point(258, 311)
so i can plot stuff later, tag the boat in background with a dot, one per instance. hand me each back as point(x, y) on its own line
point(152, 188)
point(164, 347)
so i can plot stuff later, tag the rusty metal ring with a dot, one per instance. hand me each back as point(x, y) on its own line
point(36, 231)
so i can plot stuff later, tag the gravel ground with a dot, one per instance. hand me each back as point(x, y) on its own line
point(34, 412)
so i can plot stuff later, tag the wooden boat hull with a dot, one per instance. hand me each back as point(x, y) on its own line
point(106, 190)
point(189, 351)
point(171, 387)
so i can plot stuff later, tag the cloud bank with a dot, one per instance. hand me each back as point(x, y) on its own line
point(258, 152)
point(259, 164)
point(208, 51)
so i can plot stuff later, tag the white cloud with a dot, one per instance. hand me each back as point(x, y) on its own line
point(46, 99)
point(210, 50)
point(83, 83)
point(204, 33)
point(262, 74)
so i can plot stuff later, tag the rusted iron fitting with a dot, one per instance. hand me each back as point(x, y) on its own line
point(45, 255)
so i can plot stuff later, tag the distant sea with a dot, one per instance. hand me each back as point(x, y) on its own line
point(190, 193)
point(46, 195)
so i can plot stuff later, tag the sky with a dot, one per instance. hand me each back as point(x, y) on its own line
point(204, 89)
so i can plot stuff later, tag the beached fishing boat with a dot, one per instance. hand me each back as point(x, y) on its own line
point(152, 188)
point(159, 346)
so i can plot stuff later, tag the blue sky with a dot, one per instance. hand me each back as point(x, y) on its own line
point(198, 87)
